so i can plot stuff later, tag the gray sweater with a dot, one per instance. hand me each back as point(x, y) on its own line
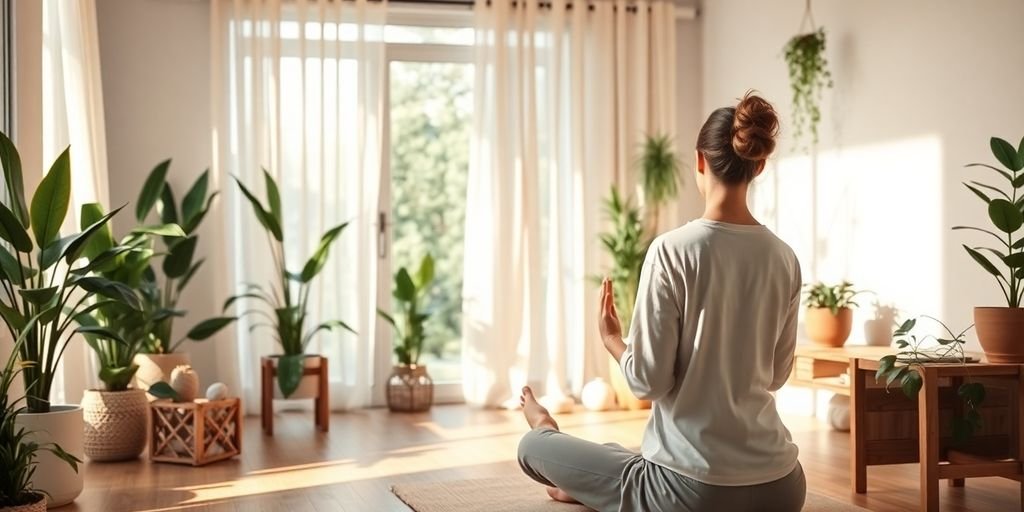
point(713, 334)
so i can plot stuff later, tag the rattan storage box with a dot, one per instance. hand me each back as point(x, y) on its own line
point(195, 433)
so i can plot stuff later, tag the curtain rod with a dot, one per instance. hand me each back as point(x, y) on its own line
point(682, 12)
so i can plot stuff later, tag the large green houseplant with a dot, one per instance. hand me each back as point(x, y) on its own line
point(46, 282)
point(165, 283)
point(287, 297)
point(18, 451)
point(999, 328)
point(659, 177)
point(410, 380)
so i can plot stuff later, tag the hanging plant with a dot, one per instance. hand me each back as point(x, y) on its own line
point(808, 77)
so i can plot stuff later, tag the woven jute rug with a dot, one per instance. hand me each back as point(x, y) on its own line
point(519, 494)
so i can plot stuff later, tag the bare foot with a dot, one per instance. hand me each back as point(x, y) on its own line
point(560, 495)
point(536, 415)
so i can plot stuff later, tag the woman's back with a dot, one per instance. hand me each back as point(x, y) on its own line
point(713, 333)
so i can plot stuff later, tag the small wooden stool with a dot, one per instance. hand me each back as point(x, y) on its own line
point(321, 406)
point(888, 428)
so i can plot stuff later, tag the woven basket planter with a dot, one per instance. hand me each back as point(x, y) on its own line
point(38, 506)
point(410, 389)
point(115, 424)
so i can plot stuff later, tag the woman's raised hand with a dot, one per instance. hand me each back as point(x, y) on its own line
point(608, 318)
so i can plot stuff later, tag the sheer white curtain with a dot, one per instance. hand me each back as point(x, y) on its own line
point(563, 99)
point(297, 90)
point(73, 115)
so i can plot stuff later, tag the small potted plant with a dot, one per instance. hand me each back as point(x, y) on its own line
point(288, 298)
point(159, 354)
point(916, 351)
point(115, 417)
point(829, 317)
point(48, 282)
point(410, 388)
point(999, 328)
point(17, 451)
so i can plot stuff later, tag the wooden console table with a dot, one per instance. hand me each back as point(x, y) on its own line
point(824, 367)
point(889, 428)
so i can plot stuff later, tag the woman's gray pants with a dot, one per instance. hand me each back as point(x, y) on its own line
point(610, 478)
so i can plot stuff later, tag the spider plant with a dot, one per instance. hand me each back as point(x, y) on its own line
point(288, 296)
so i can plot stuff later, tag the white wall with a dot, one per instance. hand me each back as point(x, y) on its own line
point(920, 86)
point(155, 57)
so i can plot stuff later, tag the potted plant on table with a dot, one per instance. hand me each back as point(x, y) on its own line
point(17, 451)
point(829, 317)
point(288, 298)
point(46, 283)
point(999, 328)
point(903, 368)
point(410, 388)
point(159, 353)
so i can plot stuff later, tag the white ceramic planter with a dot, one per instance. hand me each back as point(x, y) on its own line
point(154, 368)
point(115, 424)
point(64, 426)
point(309, 386)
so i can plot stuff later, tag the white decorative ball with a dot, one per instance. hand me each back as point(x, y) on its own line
point(185, 382)
point(217, 391)
point(598, 395)
point(839, 413)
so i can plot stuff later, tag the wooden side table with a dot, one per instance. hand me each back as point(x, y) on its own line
point(321, 411)
point(883, 429)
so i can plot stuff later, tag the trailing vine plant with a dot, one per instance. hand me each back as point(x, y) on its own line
point(904, 368)
point(808, 77)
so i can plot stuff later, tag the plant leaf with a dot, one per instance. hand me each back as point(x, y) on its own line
point(51, 199)
point(188, 275)
point(425, 275)
point(101, 332)
point(1005, 216)
point(405, 289)
point(12, 231)
point(983, 261)
point(289, 373)
point(38, 296)
point(209, 327)
point(978, 193)
point(1015, 260)
point(1006, 154)
point(108, 288)
point(996, 169)
point(163, 390)
point(167, 208)
point(171, 230)
point(326, 326)
point(179, 259)
point(192, 204)
point(265, 218)
point(273, 196)
point(90, 214)
point(884, 365)
point(95, 236)
point(911, 384)
point(151, 190)
point(11, 161)
point(317, 261)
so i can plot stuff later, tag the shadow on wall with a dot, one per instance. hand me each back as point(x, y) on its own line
point(872, 214)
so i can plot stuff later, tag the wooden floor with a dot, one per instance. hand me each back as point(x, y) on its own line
point(353, 466)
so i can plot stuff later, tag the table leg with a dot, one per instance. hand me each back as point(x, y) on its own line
point(858, 459)
point(958, 410)
point(323, 418)
point(1020, 427)
point(928, 431)
point(267, 397)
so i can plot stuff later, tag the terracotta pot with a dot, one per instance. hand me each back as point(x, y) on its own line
point(1001, 333)
point(115, 424)
point(63, 425)
point(309, 386)
point(37, 506)
point(154, 368)
point(410, 389)
point(826, 329)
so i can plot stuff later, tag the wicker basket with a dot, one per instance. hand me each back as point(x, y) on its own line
point(115, 424)
point(410, 389)
point(38, 506)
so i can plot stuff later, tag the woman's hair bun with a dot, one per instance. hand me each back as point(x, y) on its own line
point(754, 128)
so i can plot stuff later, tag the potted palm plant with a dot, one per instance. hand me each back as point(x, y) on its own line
point(999, 328)
point(659, 177)
point(159, 353)
point(288, 298)
point(410, 388)
point(829, 318)
point(115, 417)
point(17, 451)
point(46, 283)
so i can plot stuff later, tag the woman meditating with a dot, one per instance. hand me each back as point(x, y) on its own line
point(713, 334)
